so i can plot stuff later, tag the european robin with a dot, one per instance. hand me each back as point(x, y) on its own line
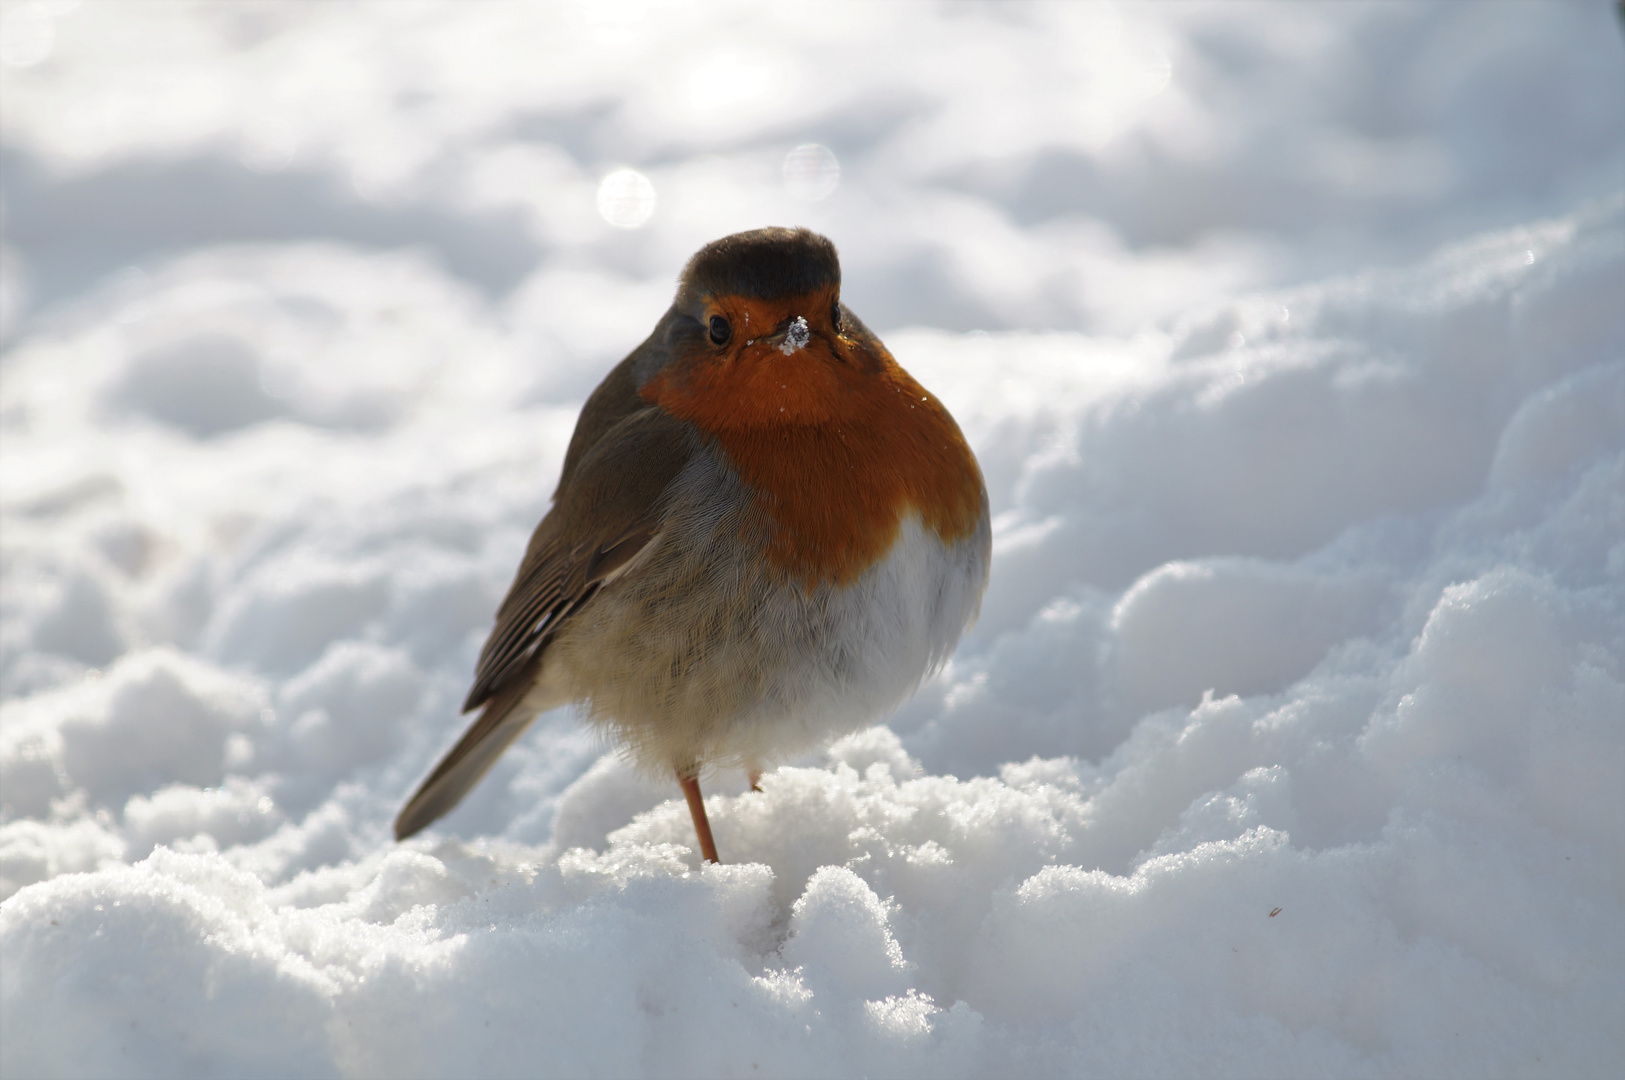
point(765, 535)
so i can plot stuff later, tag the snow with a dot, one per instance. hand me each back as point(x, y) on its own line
point(796, 337)
point(1289, 742)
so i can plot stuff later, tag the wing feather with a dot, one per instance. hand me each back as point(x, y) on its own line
point(607, 509)
point(603, 516)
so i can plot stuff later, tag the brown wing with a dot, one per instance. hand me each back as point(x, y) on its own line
point(604, 513)
point(607, 508)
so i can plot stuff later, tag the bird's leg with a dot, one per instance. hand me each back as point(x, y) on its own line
point(696, 810)
point(755, 774)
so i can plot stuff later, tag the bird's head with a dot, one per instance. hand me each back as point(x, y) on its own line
point(758, 336)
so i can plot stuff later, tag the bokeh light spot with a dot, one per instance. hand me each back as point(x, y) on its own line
point(626, 198)
point(811, 172)
point(27, 35)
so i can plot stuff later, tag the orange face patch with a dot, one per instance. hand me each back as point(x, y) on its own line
point(837, 440)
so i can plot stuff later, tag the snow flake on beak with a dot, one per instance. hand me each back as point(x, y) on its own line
point(796, 338)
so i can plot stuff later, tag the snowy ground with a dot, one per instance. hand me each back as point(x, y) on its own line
point(1290, 742)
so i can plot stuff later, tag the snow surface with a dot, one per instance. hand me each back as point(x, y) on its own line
point(1290, 742)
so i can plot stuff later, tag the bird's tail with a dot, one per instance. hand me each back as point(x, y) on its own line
point(505, 717)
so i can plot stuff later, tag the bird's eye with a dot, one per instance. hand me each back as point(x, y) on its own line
point(835, 315)
point(720, 330)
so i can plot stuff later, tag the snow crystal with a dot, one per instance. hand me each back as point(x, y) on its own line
point(796, 337)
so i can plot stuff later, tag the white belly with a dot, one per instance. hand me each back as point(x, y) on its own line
point(701, 653)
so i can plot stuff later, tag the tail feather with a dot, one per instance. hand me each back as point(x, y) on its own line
point(505, 717)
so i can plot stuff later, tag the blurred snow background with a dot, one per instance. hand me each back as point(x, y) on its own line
point(1291, 340)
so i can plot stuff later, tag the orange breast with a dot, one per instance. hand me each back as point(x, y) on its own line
point(838, 452)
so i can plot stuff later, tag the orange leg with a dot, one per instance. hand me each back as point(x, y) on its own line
point(755, 779)
point(696, 810)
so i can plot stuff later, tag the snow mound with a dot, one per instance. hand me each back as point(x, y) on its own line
point(1312, 801)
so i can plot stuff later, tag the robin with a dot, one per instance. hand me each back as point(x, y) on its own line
point(764, 536)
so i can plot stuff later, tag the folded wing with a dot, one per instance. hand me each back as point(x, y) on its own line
point(607, 509)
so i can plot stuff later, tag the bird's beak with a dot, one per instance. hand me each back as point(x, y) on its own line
point(794, 337)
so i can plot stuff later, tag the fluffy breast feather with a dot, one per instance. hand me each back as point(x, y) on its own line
point(704, 651)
